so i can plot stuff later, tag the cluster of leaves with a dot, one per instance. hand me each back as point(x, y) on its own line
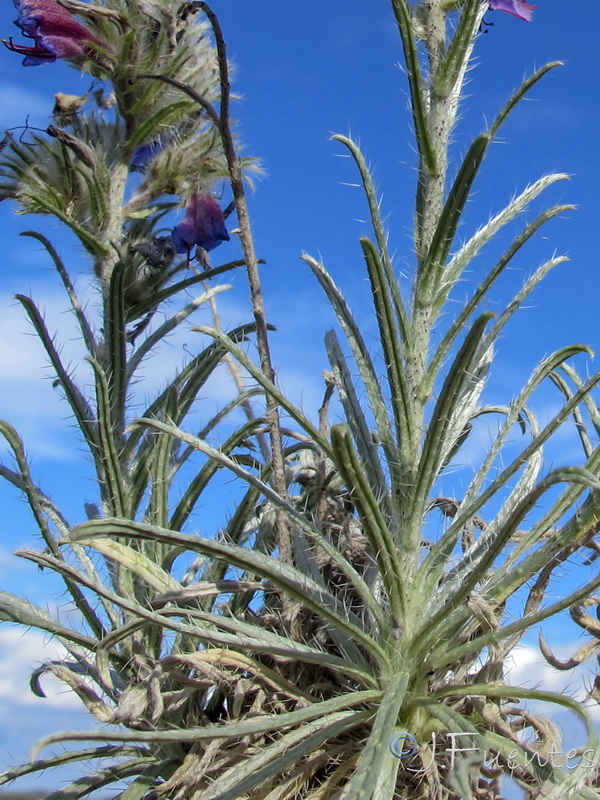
point(324, 617)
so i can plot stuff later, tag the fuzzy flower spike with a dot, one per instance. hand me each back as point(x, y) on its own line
point(54, 30)
point(203, 226)
point(518, 8)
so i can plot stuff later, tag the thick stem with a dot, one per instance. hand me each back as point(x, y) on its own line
point(442, 114)
point(431, 185)
point(442, 109)
point(430, 200)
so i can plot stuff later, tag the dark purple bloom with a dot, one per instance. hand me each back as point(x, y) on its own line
point(518, 8)
point(203, 226)
point(146, 153)
point(54, 30)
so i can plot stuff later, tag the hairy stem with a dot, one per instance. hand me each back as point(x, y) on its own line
point(258, 307)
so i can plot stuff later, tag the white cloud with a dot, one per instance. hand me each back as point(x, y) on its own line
point(527, 667)
point(21, 652)
point(39, 411)
point(25, 718)
point(10, 566)
point(29, 401)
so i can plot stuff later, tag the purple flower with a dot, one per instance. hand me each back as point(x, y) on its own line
point(518, 8)
point(203, 226)
point(145, 153)
point(54, 30)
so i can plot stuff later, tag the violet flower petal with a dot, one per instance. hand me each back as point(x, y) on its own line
point(518, 8)
point(145, 153)
point(203, 226)
point(54, 30)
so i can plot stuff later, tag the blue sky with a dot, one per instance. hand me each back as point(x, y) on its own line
point(306, 71)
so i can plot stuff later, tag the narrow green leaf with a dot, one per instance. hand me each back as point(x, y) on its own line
point(375, 526)
point(525, 291)
point(79, 405)
point(196, 485)
point(169, 325)
point(474, 500)
point(162, 471)
point(239, 401)
point(462, 259)
point(137, 563)
point(109, 449)
point(525, 561)
point(14, 609)
point(187, 383)
point(313, 716)
point(493, 690)
point(362, 435)
point(97, 181)
point(158, 298)
point(336, 557)
point(84, 326)
point(160, 120)
point(83, 786)
point(390, 338)
point(287, 578)
point(472, 568)
point(454, 63)
point(116, 343)
point(452, 391)
point(466, 408)
point(415, 83)
point(146, 781)
point(580, 425)
point(486, 233)
point(380, 237)
point(280, 755)
point(42, 508)
point(562, 781)
point(95, 246)
point(69, 757)
point(364, 363)
point(433, 265)
point(524, 623)
point(520, 93)
point(590, 405)
point(206, 628)
point(240, 356)
point(376, 753)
